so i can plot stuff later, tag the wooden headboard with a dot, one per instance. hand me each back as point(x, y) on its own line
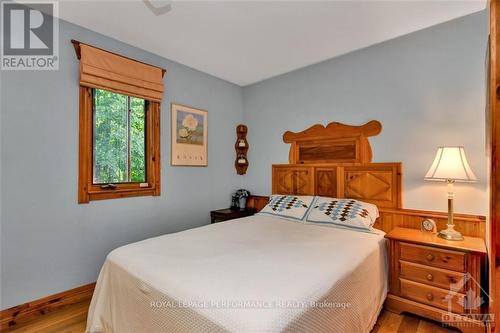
point(335, 161)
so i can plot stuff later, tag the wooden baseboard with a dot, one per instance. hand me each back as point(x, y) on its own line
point(27, 311)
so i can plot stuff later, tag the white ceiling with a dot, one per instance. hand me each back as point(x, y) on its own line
point(248, 41)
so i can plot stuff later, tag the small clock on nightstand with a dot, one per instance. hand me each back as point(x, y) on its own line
point(428, 225)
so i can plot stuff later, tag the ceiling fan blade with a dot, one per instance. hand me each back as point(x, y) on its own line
point(158, 10)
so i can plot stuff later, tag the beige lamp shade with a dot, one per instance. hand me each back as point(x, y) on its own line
point(450, 163)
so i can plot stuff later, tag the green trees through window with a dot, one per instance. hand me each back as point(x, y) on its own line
point(119, 138)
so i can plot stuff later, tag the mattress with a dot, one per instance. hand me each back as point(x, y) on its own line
point(254, 274)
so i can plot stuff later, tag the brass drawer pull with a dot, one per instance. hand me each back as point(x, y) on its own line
point(430, 257)
point(430, 277)
point(430, 297)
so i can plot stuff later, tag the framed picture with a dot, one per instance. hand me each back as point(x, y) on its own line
point(189, 130)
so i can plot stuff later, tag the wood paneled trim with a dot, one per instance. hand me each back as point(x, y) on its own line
point(468, 225)
point(87, 191)
point(27, 311)
point(434, 214)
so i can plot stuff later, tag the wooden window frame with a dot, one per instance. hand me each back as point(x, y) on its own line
point(87, 190)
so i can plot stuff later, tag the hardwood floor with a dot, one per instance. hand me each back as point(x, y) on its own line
point(72, 318)
point(69, 319)
point(389, 322)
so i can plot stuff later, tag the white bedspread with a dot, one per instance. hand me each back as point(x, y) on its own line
point(255, 274)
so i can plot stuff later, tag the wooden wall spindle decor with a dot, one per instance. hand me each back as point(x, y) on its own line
point(241, 147)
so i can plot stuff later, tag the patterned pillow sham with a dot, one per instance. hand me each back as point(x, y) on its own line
point(343, 212)
point(288, 206)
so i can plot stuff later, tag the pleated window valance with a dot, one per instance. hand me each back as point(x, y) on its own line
point(105, 70)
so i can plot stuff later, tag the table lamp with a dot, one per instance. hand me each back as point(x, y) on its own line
point(450, 166)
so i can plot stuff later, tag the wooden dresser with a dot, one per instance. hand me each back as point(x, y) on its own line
point(438, 279)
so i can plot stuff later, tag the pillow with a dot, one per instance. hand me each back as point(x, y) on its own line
point(343, 212)
point(288, 206)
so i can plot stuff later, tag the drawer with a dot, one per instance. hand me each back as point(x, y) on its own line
point(433, 296)
point(431, 256)
point(436, 277)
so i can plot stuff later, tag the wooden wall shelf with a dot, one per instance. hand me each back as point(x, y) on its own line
point(241, 147)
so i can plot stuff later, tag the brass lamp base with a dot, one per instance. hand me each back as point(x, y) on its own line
point(450, 234)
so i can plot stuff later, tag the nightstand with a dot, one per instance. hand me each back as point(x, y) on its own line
point(437, 279)
point(230, 214)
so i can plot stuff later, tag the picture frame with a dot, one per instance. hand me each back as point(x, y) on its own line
point(189, 136)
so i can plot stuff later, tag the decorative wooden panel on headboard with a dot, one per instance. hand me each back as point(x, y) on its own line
point(332, 144)
point(378, 183)
point(334, 161)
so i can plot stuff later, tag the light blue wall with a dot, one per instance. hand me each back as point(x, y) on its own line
point(426, 88)
point(49, 243)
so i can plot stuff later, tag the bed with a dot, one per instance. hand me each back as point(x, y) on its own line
point(263, 273)
point(255, 274)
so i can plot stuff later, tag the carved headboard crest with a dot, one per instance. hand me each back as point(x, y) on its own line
point(335, 143)
point(335, 161)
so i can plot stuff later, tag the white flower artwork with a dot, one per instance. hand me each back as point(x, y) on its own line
point(189, 136)
point(190, 122)
point(189, 128)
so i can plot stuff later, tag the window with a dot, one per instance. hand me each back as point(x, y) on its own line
point(119, 138)
point(119, 145)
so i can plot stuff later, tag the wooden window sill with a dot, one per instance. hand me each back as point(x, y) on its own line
point(121, 193)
